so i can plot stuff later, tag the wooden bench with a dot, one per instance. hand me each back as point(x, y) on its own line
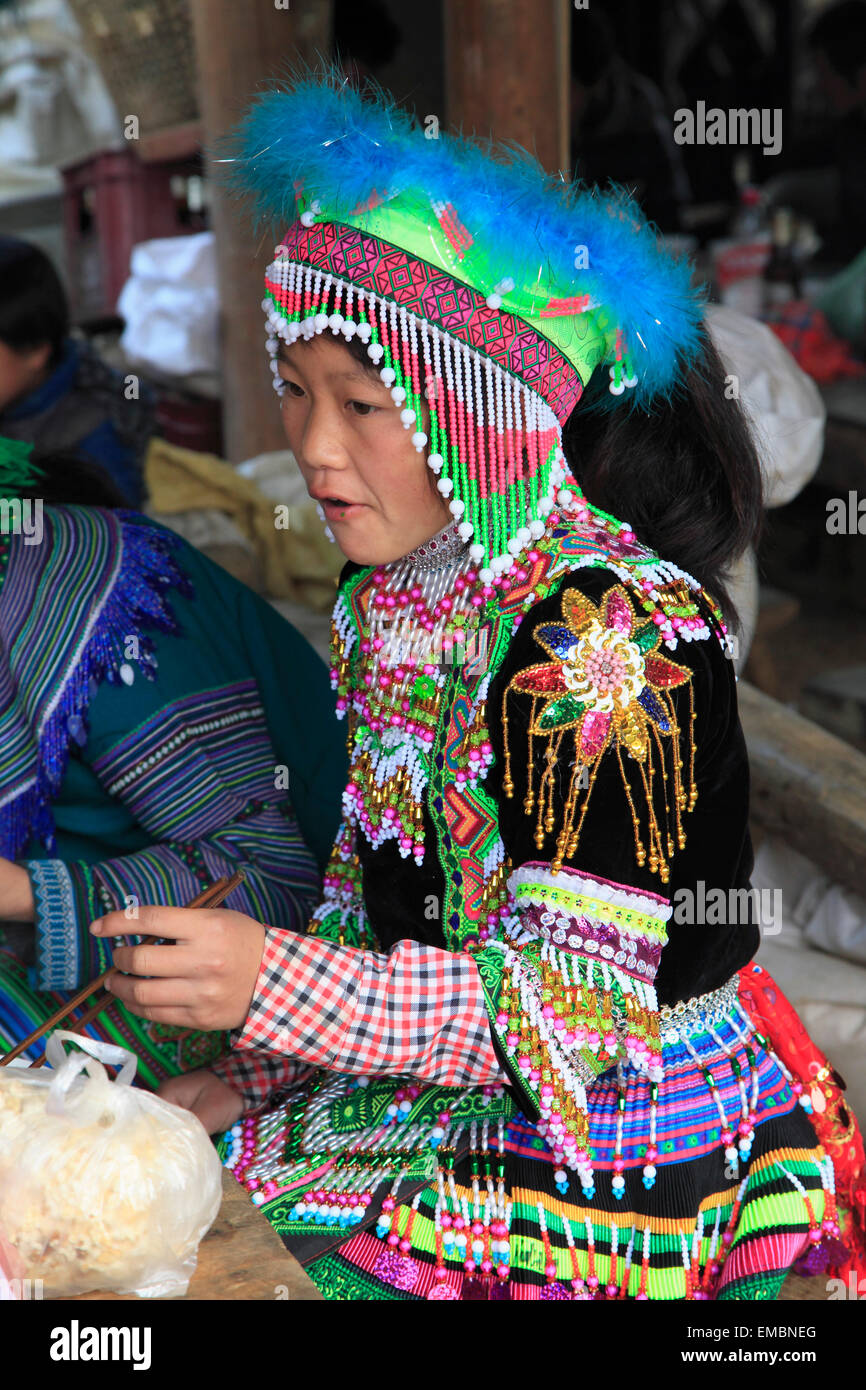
point(807, 786)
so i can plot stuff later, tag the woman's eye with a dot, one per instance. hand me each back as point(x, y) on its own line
point(291, 387)
point(363, 408)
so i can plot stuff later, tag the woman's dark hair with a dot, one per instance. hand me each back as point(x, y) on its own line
point(685, 475)
point(33, 304)
point(69, 479)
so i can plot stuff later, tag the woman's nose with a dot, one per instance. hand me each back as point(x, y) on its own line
point(321, 445)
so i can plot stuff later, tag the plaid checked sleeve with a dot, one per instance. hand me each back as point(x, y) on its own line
point(418, 1011)
point(259, 1076)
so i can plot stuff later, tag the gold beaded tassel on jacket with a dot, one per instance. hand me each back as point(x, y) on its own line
point(639, 735)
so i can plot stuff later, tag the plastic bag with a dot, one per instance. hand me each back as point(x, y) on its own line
point(102, 1187)
point(171, 306)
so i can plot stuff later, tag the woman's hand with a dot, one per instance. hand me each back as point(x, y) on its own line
point(205, 979)
point(16, 893)
point(206, 1097)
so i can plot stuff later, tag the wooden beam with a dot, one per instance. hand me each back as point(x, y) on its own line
point(506, 73)
point(239, 47)
point(807, 786)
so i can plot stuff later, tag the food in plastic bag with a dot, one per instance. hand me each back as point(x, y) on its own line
point(11, 1270)
point(102, 1187)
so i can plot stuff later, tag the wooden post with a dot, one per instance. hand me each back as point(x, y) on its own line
point(507, 73)
point(238, 47)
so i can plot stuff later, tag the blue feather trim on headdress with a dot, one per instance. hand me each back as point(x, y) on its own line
point(315, 131)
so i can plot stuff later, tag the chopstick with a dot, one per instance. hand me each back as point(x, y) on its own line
point(213, 896)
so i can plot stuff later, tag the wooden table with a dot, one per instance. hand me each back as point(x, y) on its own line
point(241, 1257)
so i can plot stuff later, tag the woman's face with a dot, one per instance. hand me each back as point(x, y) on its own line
point(356, 456)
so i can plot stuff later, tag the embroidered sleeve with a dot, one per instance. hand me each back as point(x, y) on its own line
point(197, 779)
point(596, 762)
point(416, 1011)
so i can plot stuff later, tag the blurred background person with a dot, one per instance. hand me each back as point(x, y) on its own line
point(55, 391)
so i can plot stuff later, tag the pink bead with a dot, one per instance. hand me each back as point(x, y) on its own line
point(393, 1239)
point(405, 1245)
point(612, 1290)
point(550, 1271)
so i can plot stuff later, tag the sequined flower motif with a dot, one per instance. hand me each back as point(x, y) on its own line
point(605, 678)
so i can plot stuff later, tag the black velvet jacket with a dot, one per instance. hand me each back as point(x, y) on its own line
point(403, 899)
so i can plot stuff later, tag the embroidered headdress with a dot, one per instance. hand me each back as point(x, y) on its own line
point(480, 285)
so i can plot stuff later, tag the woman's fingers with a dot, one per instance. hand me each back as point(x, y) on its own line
point(184, 1090)
point(173, 923)
point(206, 1097)
point(138, 993)
point(205, 981)
point(169, 962)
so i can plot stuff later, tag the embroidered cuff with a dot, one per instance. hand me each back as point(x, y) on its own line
point(593, 916)
point(65, 903)
point(575, 994)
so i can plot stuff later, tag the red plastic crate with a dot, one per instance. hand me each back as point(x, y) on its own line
point(111, 201)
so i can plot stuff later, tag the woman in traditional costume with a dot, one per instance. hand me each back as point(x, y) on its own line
point(160, 726)
point(516, 1059)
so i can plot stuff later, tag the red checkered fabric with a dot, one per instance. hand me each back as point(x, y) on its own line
point(417, 1011)
point(260, 1076)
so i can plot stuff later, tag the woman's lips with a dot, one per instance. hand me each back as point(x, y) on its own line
point(340, 511)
